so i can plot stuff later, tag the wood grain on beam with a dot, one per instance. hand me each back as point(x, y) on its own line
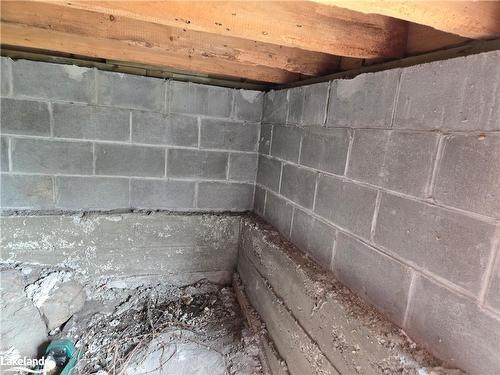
point(193, 45)
point(470, 19)
point(298, 24)
point(422, 39)
point(38, 38)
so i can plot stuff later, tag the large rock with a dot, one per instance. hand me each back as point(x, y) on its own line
point(57, 297)
point(172, 354)
point(21, 327)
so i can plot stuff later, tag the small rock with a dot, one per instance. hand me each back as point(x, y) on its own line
point(21, 326)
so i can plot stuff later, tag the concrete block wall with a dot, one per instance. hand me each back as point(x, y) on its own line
point(392, 181)
point(74, 138)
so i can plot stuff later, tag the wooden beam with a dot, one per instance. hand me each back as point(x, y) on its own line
point(470, 19)
point(33, 37)
point(172, 40)
point(422, 39)
point(300, 24)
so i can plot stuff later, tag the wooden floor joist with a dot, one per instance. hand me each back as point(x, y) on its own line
point(305, 25)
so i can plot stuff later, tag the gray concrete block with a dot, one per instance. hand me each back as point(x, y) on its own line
point(187, 97)
point(315, 102)
point(91, 193)
point(275, 107)
point(25, 191)
point(446, 243)
point(53, 81)
point(366, 101)
point(156, 128)
point(44, 156)
point(454, 328)
point(25, 117)
point(400, 161)
point(259, 200)
point(90, 122)
point(269, 173)
point(313, 237)
point(156, 194)
point(278, 213)
point(248, 105)
point(129, 160)
point(4, 154)
point(295, 105)
point(493, 294)
point(265, 139)
point(225, 196)
point(5, 76)
point(229, 135)
point(298, 184)
point(242, 167)
point(469, 175)
point(425, 101)
point(286, 142)
point(196, 164)
point(346, 204)
point(325, 150)
point(378, 279)
point(300, 352)
point(129, 91)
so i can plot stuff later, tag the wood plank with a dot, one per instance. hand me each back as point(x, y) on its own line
point(422, 39)
point(470, 19)
point(33, 37)
point(172, 40)
point(299, 24)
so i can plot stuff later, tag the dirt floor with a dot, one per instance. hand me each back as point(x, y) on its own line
point(127, 329)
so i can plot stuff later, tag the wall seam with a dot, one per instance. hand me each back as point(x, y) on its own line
point(375, 216)
point(440, 147)
point(488, 273)
point(409, 301)
point(349, 150)
point(396, 99)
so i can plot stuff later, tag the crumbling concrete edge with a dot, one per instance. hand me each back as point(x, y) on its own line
point(272, 362)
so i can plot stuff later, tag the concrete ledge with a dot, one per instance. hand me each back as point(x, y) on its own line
point(280, 281)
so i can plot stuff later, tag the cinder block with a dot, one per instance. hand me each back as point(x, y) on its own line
point(325, 150)
point(248, 105)
point(129, 91)
point(286, 142)
point(295, 105)
point(91, 193)
point(265, 139)
point(6, 76)
point(275, 107)
point(469, 173)
point(161, 194)
point(25, 117)
point(425, 101)
point(53, 81)
point(279, 213)
point(269, 173)
point(378, 279)
point(454, 329)
point(196, 164)
point(259, 200)
point(129, 160)
point(313, 237)
point(4, 151)
point(156, 128)
point(200, 99)
point(315, 102)
point(43, 156)
point(366, 101)
point(346, 204)
point(90, 122)
point(225, 196)
point(25, 191)
point(400, 161)
point(493, 295)
point(298, 184)
point(446, 243)
point(229, 135)
point(242, 167)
